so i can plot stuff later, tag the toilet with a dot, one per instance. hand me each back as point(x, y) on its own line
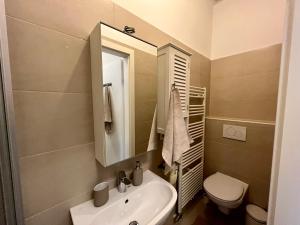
point(255, 215)
point(225, 191)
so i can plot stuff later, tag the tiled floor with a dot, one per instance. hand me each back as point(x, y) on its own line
point(201, 211)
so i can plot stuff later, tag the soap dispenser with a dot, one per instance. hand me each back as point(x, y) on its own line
point(137, 174)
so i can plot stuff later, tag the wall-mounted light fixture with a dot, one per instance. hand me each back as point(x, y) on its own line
point(129, 30)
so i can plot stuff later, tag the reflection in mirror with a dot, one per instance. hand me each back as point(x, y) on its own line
point(115, 97)
point(124, 71)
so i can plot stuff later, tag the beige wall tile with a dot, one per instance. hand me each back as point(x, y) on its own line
point(50, 178)
point(145, 102)
point(143, 129)
point(200, 63)
point(263, 109)
point(149, 160)
point(259, 193)
point(195, 78)
point(256, 61)
point(246, 85)
point(145, 107)
point(252, 96)
point(145, 87)
point(145, 63)
point(46, 121)
point(237, 158)
point(46, 60)
point(59, 214)
point(249, 87)
point(145, 111)
point(77, 18)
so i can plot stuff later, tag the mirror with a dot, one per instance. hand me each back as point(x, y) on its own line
point(124, 77)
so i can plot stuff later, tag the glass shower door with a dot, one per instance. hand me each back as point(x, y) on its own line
point(2, 213)
point(10, 194)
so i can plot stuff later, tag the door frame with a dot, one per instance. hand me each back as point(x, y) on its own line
point(283, 201)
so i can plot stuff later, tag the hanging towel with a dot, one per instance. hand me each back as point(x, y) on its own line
point(153, 139)
point(107, 110)
point(176, 139)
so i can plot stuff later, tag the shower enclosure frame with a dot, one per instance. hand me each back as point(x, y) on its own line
point(10, 196)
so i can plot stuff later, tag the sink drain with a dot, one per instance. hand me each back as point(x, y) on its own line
point(133, 223)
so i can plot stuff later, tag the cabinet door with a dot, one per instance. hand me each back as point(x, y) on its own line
point(180, 67)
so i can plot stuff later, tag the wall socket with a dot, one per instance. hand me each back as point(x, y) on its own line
point(234, 132)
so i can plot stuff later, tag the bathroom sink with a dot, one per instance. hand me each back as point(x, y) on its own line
point(148, 204)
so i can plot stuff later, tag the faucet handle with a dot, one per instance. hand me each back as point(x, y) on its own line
point(126, 181)
point(122, 174)
point(123, 178)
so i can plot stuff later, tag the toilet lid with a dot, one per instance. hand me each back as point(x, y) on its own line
point(223, 187)
point(257, 213)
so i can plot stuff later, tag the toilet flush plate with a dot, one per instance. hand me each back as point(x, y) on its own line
point(234, 132)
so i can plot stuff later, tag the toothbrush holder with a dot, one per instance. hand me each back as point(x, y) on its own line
point(101, 194)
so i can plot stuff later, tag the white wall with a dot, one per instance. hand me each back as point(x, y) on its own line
point(288, 199)
point(244, 25)
point(284, 69)
point(215, 30)
point(189, 21)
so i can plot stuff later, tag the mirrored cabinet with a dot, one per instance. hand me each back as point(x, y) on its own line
point(124, 84)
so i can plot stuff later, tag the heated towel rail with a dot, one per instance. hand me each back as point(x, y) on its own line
point(190, 174)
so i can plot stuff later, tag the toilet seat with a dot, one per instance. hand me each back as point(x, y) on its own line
point(223, 187)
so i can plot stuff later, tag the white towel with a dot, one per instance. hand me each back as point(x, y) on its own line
point(107, 110)
point(153, 139)
point(176, 139)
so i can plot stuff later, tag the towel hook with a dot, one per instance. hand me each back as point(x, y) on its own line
point(107, 84)
point(173, 86)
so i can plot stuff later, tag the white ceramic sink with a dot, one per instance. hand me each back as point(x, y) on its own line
point(149, 204)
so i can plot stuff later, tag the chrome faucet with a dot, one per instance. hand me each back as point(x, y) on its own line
point(122, 181)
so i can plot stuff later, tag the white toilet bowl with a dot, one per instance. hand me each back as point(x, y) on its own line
point(225, 191)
